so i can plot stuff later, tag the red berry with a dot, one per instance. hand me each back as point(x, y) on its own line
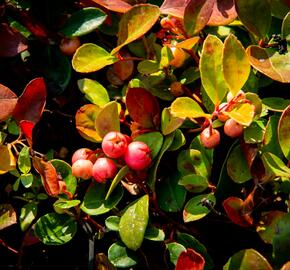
point(114, 144)
point(84, 153)
point(68, 46)
point(138, 156)
point(82, 168)
point(233, 129)
point(103, 169)
point(210, 137)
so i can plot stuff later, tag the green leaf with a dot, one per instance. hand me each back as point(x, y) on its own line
point(276, 104)
point(194, 210)
point(108, 119)
point(169, 123)
point(174, 250)
point(166, 56)
point(242, 113)
point(121, 257)
point(178, 141)
point(247, 259)
point(148, 67)
point(255, 132)
point(189, 75)
point(285, 30)
point(284, 132)
point(94, 202)
point(55, 229)
point(26, 180)
point(236, 65)
point(24, 163)
point(135, 23)
point(153, 139)
point(275, 166)
point(154, 234)
point(83, 22)
point(27, 215)
point(112, 223)
point(211, 69)
point(237, 166)
point(133, 223)
point(90, 58)
point(270, 62)
point(194, 183)
point(7, 216)
point(255, 15)
point(185, 107)
point(94, 91)
point(170, 195)
point(66, 204)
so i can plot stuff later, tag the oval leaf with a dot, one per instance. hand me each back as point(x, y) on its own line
point(284, 132)
point(7, 216)
point(133, 223)
point(175, 250)
point(194, 183)
point(116, 5)
point(242, 113)
point(27, 215)
point(173, 7)
point(169, 123)
point(7, 159)
point(8, 101)
point(189, 260)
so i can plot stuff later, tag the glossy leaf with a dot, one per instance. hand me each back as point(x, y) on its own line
point(173, 7)
point(7, 159)
point(178, 141)
point(116, 5)
point(174, 250)
point(242, 113)
point(196, 15)
point(170, 195)
point(94, 202)
point(185, 107)
point(135, 23)
point(65, 204)
point(133, 223)
point(236, 65)
point(270, 63)
point(276, 104)
point(255, 15)
point(286, 27)
point(190, 259)
point(169, 123)
point(90, 58)
point(284, 132)
point(120, 256)
point(7, 216)
point(26, 179)
point(195, 210)
point(27, 215)
point(247, 259)
point(24, 163)
point(27, 129)
point(211, 73)
point(94, 91)
point(12, 42)
point(83, 22)
point(85, 122)
point(8, 101)
point(107, 119)
point(143, 107)
point(255, 132)
point(224, 12)
point(189, 43)
point(154, 234)
point(194, 183)
point(31, 103)
point(55, 229)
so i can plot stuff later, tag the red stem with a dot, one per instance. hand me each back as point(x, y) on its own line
point(8, 247)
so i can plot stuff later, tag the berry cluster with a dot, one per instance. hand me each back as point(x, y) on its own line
point(117, 149)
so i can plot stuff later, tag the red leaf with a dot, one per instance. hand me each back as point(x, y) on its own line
point(190, 260)
point(143, 107)
point(116, 5)
point(174, 7)
point(8, 101)
point(31, 103)
point(12, 42)
point(236, 211)
point(27, 128)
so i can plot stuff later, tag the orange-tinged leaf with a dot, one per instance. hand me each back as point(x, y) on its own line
point(116, 5)
point(211, 73)
point(31, 103)
point(242, 113)
point(270, 63)
point(284, 132)
point(124, 69)
point(8, 101)
point(85, 122)
point(7, 159)
point(173, 7)
point(135, 23)
point(224, 12)
point(190, 260)
point(236, 65)
point(286, 266)
point(189, 43)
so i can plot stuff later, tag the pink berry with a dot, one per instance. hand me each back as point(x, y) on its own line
point(233, 129)
point(84, 153)
point(114, 144)
point(138, 156)
point(210, 137)
point(103, 169)
point(82, 168)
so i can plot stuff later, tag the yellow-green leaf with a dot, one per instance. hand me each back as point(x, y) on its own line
point(284, 132)
point(286, 27)
point(242, 113)
point(7, 160)
point(236, 65)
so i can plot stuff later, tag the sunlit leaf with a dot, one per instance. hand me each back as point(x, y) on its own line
point(24, 163)
point(242, 113)
point(189, 43)
point(270, 62)
point(8, 101)
point(135, 23)
point(83, 22)
point(90, 58)
point(116, 5)
point(286, 27)
point(26, 127)
point(236, 65)
point(169, 123)
point(211, 73)
point(27, 215)
point(7, 216)
point(65, 204)
point(255, 15)
point(196, 15)
point(154, 234)
point(173, 7)
point(174, 250)
point(26, 179)
point(284, 132)
point(190, 259)
point(133, 223)
point(7, 159)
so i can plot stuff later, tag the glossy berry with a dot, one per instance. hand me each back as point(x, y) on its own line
point(210, 137)
point(233, 129)
point(114, 144)
point(103, 169)
point(68, 46)
point(84, 153)
point(138, 156)
point(179, 57)
point(82, 168)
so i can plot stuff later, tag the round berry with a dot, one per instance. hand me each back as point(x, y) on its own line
point(210, 137)
point(138, 156)
point(68, 46)
point(82, 168)
point(233, 129)
point(84, 153)
point(114, 144)
point(103, 169)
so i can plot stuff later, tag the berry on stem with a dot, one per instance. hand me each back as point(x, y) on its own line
point(114, 144)
point(103, 169)
point(210, 137)
point(233, 129)
point(82, 168)
point(84, 153)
